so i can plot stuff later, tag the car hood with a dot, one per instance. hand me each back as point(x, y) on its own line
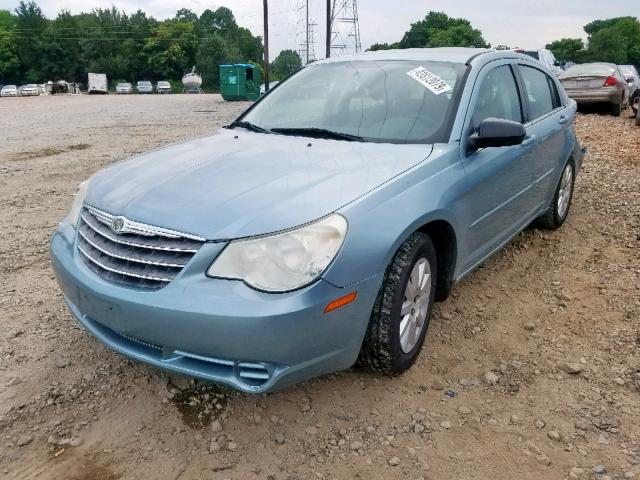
point(235, 183)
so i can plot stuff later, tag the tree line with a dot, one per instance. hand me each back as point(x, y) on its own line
point(615, 40)
point(34, 49)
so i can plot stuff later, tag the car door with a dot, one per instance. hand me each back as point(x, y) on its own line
point(498, 197)
point(549, 123)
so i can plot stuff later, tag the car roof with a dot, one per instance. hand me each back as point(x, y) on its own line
point(447, 54)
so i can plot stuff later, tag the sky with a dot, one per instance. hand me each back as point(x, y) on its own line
point(501, 21)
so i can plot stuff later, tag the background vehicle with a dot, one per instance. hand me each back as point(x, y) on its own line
point(29, 90)
point(124, 88)
point(9, 91)
point(98, 83)
point(163, 87)
point(544, 56)
point(633, 79)
point(452, 151)
point(144, 86)
point(590, 83)
point(271, 85)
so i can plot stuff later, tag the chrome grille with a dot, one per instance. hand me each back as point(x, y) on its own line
point(141, 256)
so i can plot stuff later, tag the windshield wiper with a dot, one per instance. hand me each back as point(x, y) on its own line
point(317, 133)
point(249, 126)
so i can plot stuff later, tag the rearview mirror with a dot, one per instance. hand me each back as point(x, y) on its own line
point(497, 132)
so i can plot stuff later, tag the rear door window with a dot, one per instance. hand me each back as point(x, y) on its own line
point(542, 94)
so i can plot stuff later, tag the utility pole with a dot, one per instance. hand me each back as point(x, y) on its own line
point(307, 56)
point(328, 41)
point(266, 45)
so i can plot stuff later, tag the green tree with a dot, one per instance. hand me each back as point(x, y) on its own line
point(567, 50)
point(614, 40)
point(171, 48)
point(286, 63)
point(9, 61)
point(29, 28)
point(439, 30)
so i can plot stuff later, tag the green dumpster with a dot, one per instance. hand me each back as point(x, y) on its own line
point(240, 81)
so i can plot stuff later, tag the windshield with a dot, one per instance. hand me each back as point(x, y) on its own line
point(532, 54)
point(144, 84)
point(9, 87)
point(376, 101)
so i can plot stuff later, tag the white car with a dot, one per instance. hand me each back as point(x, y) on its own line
point(9, 91)
point(30, 90)
point(163, 87)
point(544, 56)
point(124, 88)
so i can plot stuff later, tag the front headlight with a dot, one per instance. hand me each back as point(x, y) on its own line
point(76, 206)
point(285, 261)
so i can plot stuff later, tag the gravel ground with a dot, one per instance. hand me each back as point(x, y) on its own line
point(531, 369)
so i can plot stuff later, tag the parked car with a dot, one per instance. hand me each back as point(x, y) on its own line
point(9, 91)
point(392, 175)
point(124, 88)
point(589, 83)
point(544, 56)
point(163, 87)
point(30, 90)
point(263, 87)
point(633, 79)
point(144, 86)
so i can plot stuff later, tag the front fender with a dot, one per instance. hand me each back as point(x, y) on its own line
point(380, 221)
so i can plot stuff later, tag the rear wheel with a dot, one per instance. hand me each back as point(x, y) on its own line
point(635, 103)
point(638, 119)
point(559, 209)
point(616, 109)
point(401, 314)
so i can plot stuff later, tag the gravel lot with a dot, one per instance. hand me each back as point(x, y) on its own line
point(540, 346)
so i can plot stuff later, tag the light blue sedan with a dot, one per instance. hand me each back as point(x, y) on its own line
point(317, 230)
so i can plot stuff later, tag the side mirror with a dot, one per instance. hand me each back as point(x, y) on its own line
point(497, 132)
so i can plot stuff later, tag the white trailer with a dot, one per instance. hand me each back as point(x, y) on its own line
point(97, 83)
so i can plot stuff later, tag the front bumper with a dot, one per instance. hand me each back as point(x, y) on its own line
point(214, 329)
point(595, 95)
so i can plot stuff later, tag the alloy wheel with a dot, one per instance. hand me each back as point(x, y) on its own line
point(566, 187)
point(415, 305)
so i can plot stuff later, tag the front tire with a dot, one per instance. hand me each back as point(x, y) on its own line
point(559, 209)
point(402, 311)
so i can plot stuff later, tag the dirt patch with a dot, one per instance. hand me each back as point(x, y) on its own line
point(198, 403)
point(48, 152)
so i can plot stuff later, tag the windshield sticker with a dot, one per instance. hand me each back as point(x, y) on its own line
point(430, 80)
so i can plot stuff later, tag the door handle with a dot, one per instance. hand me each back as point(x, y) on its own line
point(528, 141)
point(563, 119)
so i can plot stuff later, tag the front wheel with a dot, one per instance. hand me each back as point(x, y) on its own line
point(638, 119)
point(401, 314)
point(559, 209)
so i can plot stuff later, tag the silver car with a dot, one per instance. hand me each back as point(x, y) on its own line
point(124, 88)
point(163, 87)
point(144, 86)
point(9, 91)
point(30, 90)
point(632, 77)
point(590, 83)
